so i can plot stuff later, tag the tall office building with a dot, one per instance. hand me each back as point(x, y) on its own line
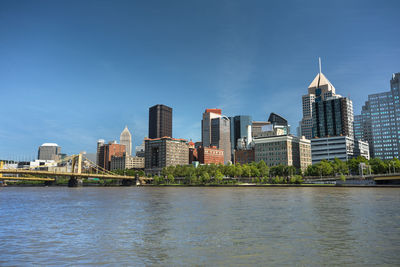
point(49, 151)
point(160, 121)
point(100, 143)
point(208, 115)
point(278, 121)
point(164, 152)
point(107, 151)
point(240, 130)
point(379, 122)
point(319, 90)
point(126, 140)
point(363, 127)
point(215, 131)
point(333, 117)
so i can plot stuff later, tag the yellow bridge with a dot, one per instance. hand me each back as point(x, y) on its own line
point(76, 174)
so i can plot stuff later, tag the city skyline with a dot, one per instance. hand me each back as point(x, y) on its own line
point(59, 77)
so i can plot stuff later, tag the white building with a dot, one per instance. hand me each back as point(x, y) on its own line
point(126, 140)
point(341, 147)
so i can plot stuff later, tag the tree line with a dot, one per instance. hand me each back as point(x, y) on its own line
point(261, 173)
point(352, 166)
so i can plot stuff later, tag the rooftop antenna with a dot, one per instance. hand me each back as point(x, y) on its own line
point(319, 60)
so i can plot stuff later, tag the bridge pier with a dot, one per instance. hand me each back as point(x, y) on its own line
point(74, 182)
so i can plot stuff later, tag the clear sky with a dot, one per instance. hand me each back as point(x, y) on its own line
point(72, 72)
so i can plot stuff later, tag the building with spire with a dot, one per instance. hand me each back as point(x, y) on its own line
point(319, 90)
point(126, 140)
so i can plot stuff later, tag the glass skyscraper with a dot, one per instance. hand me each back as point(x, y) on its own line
point(379, 122)
point(239, 129)
point(319, 90)
point(333, 117)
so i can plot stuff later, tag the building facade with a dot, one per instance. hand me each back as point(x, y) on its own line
point(209, 155)
point(126, 162)
point(126, 140)
point(257, 127)
point(139, 150)
point(165, 151)
point(341, 147)
point(107, 151)
point(240, 129)
point(49, 151)
point(244, 156)
point(99, 157)
point(160, 121)
point(333, 117)
point(285, 149)
point(379, 122)
point(363, 127)
point(215, 131)
point(208, 115)
point(319, 90)
point(278, 121)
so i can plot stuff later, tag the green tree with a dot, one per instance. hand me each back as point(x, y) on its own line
point(156, 180)
point(339, 167)
point(255, 172)
point(238, 170)
point(205, 178)
point(378, 166)
point(324, 168)
point(263, 168)
point(170, 178)
point(396, 164)
point(290, 170)
point(218, 177)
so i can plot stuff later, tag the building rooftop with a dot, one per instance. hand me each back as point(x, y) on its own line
point(321, 80)
point(49, 144)
point(166, 137)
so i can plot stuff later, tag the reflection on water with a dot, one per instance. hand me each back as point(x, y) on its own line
point(199, 226)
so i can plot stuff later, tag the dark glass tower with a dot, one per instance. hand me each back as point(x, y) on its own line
point(239, 125)
point(160, 121)
point(333, 117)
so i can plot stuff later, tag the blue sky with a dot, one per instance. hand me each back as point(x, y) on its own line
point(72, 72)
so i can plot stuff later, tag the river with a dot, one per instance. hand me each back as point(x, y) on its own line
point(215, 226)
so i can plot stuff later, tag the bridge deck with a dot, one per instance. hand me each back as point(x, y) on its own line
point(68, 174)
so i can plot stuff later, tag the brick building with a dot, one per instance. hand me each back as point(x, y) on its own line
point(244, 156)
point(208, 155)
point(107, 151)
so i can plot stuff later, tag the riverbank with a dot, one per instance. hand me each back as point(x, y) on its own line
point(210, 185)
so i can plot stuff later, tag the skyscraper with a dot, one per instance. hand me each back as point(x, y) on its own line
point(319, 90)
point(49, 151)
point(215, 131)
point(208, 115)
point(160, 121)
point(107, 151)
point(333, 117)
point(126, 140)
point(99, 158)
point(240, 129)
point(379, 122)
point(363, 127)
